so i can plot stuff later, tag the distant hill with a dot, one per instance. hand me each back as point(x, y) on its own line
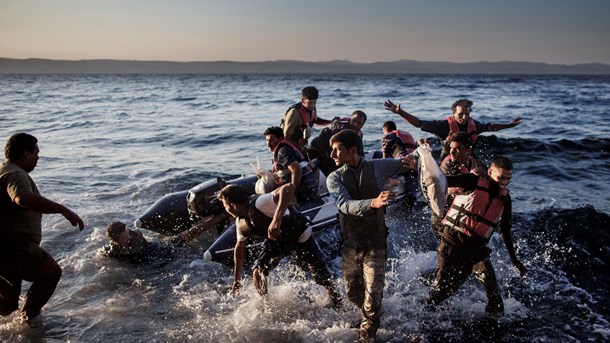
point(46, 66)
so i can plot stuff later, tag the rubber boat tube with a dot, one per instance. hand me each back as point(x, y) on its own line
point(180, 211)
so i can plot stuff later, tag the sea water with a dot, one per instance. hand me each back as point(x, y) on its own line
point(111, 145)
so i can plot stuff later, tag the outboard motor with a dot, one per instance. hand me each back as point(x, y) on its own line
point(179, 211)
point(201, 200)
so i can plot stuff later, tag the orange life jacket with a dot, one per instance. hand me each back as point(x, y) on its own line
point(407, 139)
point(453, 128)
point(476, 213)
point(307, 119)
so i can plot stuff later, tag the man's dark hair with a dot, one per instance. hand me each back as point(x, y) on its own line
point(502, 162)
point(348, 138)
point(461, 102)
point(360, 114)
point(234, 194)
point(309, 92)
point(389, 126)
point(276, 131)
point(461, 137)
point(18, 144)
point(114, 230)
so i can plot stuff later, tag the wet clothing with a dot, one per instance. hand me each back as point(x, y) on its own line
point(457, 262)
point(397, 143)
point(295, 237)
point(139, 250)
point(460, 255)
point(442, 129)
point(21, 257)
point(25, 260)
point(364, 234)
point(137, 246)
point(284, 154)
point(154, 253)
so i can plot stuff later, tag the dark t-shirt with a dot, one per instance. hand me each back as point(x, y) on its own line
point(285, 156)
point(137, 245)
point(140, 251)
point(17, 222)
point(393, 146)
point(440, 128)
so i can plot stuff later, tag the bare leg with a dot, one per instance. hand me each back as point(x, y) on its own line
point(260, 281)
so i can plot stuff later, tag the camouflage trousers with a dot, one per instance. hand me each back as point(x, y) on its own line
point(364, 276)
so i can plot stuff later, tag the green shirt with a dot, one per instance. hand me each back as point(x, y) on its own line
point(16, 222)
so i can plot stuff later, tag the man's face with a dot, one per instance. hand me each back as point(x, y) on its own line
point(500, 175)
point(309, 104)
point(341, 154)
point(31, 159)
point(458, 151)
point(356, 123)
point(461, 114)
point(272, 141)
point(124, 238)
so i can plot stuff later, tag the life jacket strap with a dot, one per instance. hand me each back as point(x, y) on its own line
point(463, 213)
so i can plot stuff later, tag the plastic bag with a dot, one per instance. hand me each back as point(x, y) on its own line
point(266, 180)
point(432, 181)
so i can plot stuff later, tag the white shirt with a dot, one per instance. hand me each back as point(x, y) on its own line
point(267, 206)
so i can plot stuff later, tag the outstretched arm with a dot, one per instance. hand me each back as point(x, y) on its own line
point(498, 127)
point(38, 203)
point(413, 120)
point(189, 234)
point(322, 122)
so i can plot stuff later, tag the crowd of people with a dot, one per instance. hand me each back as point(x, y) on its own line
point(478, 203)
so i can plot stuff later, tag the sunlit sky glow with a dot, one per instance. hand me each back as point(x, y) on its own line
point(551, 31)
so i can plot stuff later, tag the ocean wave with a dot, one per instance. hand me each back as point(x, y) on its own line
point(492, 142)
point(184, 98)
point(574, 240)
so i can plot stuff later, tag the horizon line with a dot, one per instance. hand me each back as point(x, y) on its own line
point(300, 61)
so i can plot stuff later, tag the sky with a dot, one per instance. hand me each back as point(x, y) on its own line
point(550, 31)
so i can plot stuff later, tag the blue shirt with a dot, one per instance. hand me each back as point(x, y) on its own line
point(382, 168)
